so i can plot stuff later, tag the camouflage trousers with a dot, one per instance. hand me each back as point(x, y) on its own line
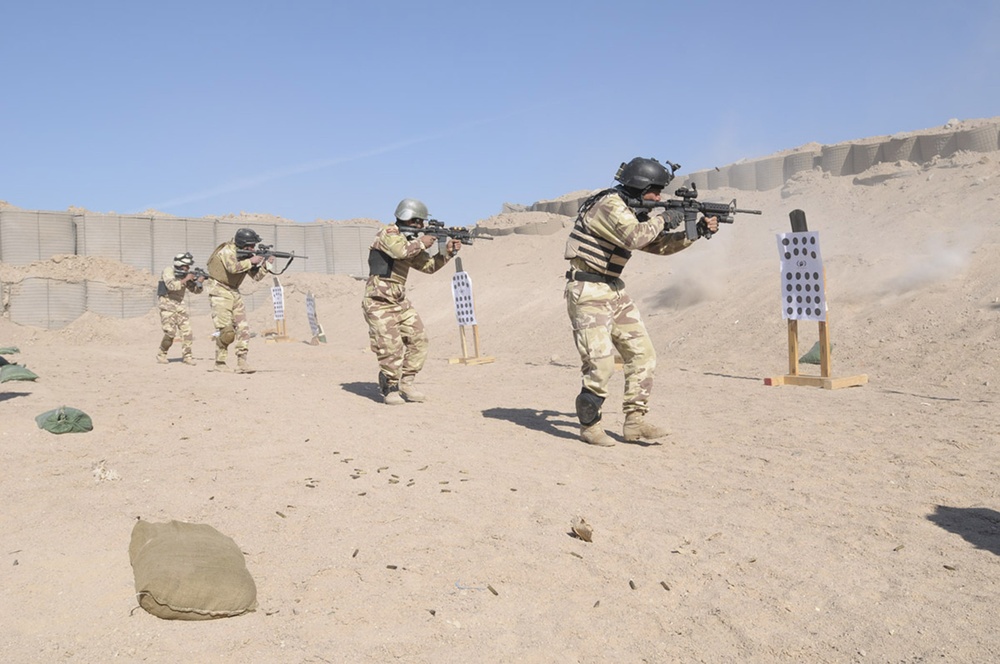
point(397, 336)
point(229, 316)
point(604, 320)
point(176, 324)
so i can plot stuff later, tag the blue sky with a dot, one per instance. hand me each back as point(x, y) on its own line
point(335, 110)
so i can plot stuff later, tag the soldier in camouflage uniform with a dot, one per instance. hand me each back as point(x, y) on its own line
point(176, 281)
point(604, 317)
point(229, 315)
point(396, 331)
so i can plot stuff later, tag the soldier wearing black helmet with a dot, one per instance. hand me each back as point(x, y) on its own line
point(605, 320)
point(175, 282)
point(227, 272)
point(397, 334)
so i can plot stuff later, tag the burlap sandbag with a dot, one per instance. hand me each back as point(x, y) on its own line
point(189, 571)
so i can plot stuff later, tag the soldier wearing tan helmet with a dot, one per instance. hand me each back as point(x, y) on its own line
point(397, 334)
point(175, 282)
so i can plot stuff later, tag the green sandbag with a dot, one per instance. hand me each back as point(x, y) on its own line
point(812, 357)
point(16, 372)
point(65, 420)
point(9, 350)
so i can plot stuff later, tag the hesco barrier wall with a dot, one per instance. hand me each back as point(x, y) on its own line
point(149, 244)
point(839, 160)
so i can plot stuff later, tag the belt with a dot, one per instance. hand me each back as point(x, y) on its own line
point(580, 275)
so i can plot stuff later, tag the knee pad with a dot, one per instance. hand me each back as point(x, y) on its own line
point(227, 335)
point(588, 407)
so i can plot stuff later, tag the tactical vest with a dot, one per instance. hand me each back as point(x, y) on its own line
point(379, 263)
point(600, 256)
point(218, 271)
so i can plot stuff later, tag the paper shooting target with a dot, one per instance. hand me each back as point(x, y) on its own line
point(803, 292)
point(461, 290)
point(278, 297)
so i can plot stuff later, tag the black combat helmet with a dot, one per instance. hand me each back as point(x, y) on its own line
point(641, 173)
point(246, 237)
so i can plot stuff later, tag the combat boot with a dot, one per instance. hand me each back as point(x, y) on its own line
point(637, 428)
point(409, 392)
point(393, 397)
point(161, 357)
point(188, 359)
point(596, 435)
point(221, 366)
point(242, 366)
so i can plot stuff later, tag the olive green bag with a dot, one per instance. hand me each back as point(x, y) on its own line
point(64, 420)
point(16, 372)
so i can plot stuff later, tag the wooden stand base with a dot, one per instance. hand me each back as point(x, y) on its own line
point(824, 380)
point(465, 359)
point(818, 381)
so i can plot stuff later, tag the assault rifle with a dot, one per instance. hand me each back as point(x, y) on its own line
point(691, 207)
point(266, 251)
point(438, 230)
point(199, 274)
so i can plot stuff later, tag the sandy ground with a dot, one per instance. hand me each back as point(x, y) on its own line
point(789, 524)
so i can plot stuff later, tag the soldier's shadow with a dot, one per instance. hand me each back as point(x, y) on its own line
point(978, 526)
point(366, 390)
point(4, 396)
point(551, 422)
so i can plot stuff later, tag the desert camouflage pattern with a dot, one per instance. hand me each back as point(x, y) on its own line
point(397, 334)
point(229, 314)
point(226, 268)
point(174, 318)
point(603, 316)
point(405, 254)
point(603, 239)
point(605, 320)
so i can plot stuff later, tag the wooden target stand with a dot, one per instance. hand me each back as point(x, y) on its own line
point(278, 334)
point(825, 379)
point(461, 288)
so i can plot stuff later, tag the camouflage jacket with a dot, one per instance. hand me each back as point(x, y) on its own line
point(172, 288)
point(401, 255)
point(604, 237)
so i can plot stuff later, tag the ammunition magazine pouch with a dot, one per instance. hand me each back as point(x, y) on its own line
point(588, 407)
point(379, 263)
point(161, 289)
